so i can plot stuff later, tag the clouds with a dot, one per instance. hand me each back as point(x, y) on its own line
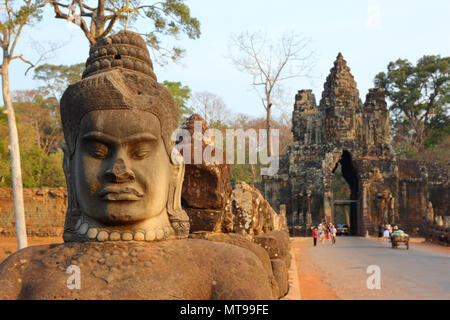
point(373, 20)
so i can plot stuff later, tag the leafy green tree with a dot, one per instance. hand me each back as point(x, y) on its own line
point(182, 94)
point(56, 78)
point(42, 114)
point(418, 93)
point(169, 17)
point(38, 168)
point(439, 129)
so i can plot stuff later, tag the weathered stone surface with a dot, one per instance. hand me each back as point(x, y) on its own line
point(206, 183)
point(204, 219)
point(207, 194)
point(121, 110)
point(281, 274)
point(243, 242)
point(437, 229)
point(343, 131)
point(252, 214)
point(276, 243)
point(172, 269)
point(125, 50)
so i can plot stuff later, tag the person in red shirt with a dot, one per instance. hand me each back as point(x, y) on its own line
point(315, 236)
point(328, 232)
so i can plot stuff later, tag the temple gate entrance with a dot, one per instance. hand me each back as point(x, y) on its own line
point(344, 188)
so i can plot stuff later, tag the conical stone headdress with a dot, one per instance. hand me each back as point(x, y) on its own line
point(118, 75)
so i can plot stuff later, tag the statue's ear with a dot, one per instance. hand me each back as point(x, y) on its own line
point(73, 212)
point(177, 216)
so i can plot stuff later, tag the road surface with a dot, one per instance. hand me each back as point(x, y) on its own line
point(422, 272)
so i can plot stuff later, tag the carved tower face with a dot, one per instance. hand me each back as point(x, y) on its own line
point(122, 168)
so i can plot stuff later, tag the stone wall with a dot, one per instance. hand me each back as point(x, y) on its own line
point(421, 182)
point(45, 210)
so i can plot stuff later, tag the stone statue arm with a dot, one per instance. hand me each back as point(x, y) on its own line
point(11, 276)
point(243, 277)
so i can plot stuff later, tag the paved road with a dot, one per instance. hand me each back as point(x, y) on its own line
point(422, 272)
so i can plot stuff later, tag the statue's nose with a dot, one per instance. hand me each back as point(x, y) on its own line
point(119, 172)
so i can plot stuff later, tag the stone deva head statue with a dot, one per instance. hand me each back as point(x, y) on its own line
point(124, 179)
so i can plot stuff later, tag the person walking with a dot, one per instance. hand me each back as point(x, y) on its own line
point(380, 232)
point(328, 232)
point(315, 235)
point(321, 233)
point(333, 234)
point(386, 235)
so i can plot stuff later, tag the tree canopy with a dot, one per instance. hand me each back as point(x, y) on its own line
point(169, 18)
point(418, 94)
point(56, 78)
point(39, 169)
point(182, 94)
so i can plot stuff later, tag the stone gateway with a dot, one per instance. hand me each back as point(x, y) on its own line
point(343, 131)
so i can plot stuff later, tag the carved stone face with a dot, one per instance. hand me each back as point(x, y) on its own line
point(121, 167)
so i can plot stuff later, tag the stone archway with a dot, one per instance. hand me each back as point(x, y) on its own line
point(350, 175)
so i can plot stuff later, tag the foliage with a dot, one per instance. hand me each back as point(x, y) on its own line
point(339, 187)
point(181, 94)
point(16, 17)
point(439, 130)
point(251, 173)
point(57, 77)
point(244, 172)
point(170, 18)
point(38, 168)
point(43, 115)
point(418, 93)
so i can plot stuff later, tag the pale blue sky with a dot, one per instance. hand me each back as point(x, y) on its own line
point(368, 33)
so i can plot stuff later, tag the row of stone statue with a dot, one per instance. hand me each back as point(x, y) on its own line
point(139, 224)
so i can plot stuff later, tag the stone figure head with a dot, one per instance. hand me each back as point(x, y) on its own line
point(124, 180)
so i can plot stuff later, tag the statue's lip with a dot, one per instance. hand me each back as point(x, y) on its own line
point(118, 193)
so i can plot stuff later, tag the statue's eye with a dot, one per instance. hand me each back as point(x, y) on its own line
point(96, 149)
point(140, 151)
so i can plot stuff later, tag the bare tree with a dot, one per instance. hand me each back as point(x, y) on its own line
point(210, 106)
point(13, 18)
point(269, 63)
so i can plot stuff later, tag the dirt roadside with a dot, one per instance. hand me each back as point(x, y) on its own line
point(314, 284)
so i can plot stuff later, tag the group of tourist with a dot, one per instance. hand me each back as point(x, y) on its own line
point(385, 231)
point(323, 232)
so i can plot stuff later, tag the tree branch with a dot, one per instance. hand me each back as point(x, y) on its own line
point(26, 61)
point(111, 24)
point(82, 25)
